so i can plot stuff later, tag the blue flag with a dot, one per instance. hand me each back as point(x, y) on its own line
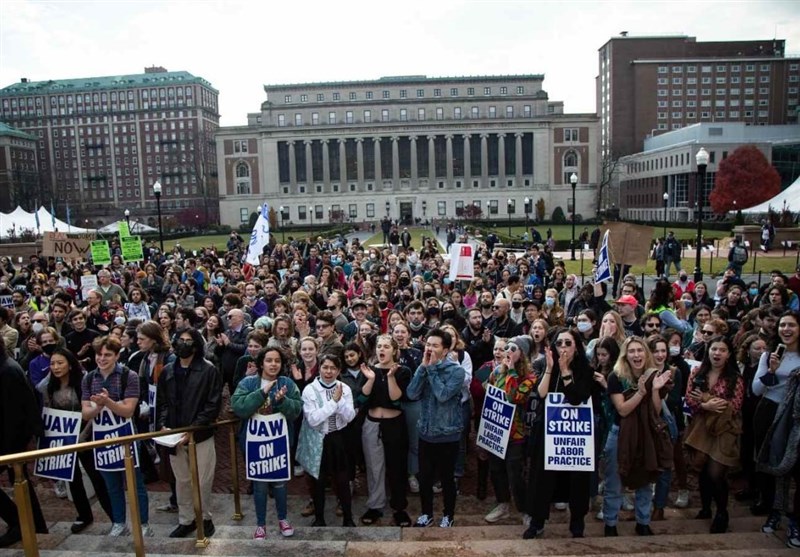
point(603, 272)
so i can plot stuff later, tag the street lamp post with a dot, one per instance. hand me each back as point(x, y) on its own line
point(283, 234)
point(527, 210)
point(666, 203)
point(702, 162)
point(574, 181)
point(157, 193)
point(509, 217)
point(311, 212)
point(128, 218)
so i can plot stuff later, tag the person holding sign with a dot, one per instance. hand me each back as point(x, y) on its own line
point(61, 390)
point(114, 389)
point(268, 393)
point(566, 371)
point(632, 384)
point(513, 376)
point(327, 409)
point(189, 393)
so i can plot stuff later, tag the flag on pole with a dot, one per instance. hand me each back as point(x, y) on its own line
point(52, 215)
point(36, 214)
point(603, 272)
point(260, 236)
point(69, 218)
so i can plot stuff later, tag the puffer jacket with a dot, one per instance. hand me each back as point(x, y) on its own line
point(438, 388)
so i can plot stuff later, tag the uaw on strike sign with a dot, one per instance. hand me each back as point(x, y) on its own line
point(568, 435)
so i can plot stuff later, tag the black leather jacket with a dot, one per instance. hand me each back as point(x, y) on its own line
point(194, 400)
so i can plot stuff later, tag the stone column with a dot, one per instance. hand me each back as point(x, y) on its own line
point(449, 162)
point(467, 163)
point(485, 158)
point(343, 165)
point(518, 153)
point(376, 147)
point(309, 168)
point(395, 162)
point(360, 159)
point(501, 158)
point(431, 160)
point(414, 169)
point(326, 164)
point(292, 166)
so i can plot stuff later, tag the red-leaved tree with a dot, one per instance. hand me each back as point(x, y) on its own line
point(745, 176)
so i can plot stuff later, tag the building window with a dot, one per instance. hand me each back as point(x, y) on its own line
point(287, 99)
point(336, 96)
point(367, 116)
point(475, 184)
point(370, 210)
point(242, 179)
point(298, 119)
point(386, 94)
point(320, 97)
point(319, 188)
point(385, 115)
point(504, 90)
point(352, 187)
point(440, 184)
point(440, 113)
point(454, 92)
point(493, 207)
point(331, 117)
point(353, 210)
point(570, 134)
point(509, 111)
point(403, 93)
point(335, 188)
point(240, 146)
point(457, 113)
point(244, 214)
point(470, 91)
point(487, 91)
point(442, 208)
point(520, 89)
point(353, 95)
point(420, 114)
point(663, 69)
point(571, 159)
point(315, 118)
point(437, 92)
point(303, 98)
point(475, 112)
point(348, 117)
point(403, 115)
point(370, 186)
point(301, 212)
point(420, 93)
point(492, 112)
point(526, 111)
point(369, 95)
point(281, 121)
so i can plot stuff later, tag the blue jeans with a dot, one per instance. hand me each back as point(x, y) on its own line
point(260, 496)
point(612, 499)
point(115, 483)
point(662, 489)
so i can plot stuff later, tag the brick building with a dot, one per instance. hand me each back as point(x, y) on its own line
point(103, 141)
point(408, 147)
point(19, 174)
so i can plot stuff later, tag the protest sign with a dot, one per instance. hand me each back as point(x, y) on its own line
point(101, 253)
point(131, 248)
point(58, 244)
point(151, 401)
point(630, 244)
point(108, 425)
point(462, 262)
point(7, 301)
point(568, 435)
point(124, 231)
point(60, 428)
point(88, 283)
point(267, 448)
point(497, 415)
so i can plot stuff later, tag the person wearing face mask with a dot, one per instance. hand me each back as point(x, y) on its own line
point(552, 310)
point(683, 284)
point(189, 393)
point(47, 339)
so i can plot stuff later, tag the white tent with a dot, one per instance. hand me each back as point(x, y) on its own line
point(137, 227)
point(790, 195)
point(20, 219)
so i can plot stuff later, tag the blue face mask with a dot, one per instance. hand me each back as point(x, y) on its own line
point(336, 261)
point(550, 302)
point(753, 292)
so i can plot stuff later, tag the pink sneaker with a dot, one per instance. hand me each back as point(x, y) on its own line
point(260, 533)
point(286, 529)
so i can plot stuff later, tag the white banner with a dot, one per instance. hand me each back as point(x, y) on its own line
point(568, 435)
point(60, 428)
point(462, 262)
point(260, 236)
point(497, 415)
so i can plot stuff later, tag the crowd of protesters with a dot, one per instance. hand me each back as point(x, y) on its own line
point(379, 364)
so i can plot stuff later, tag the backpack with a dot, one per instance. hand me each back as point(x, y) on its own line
point(123, 385)
point(739, 255)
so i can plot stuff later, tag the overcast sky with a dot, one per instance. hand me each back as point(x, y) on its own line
point(239, 46)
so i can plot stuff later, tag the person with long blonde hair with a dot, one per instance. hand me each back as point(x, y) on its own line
point(628, 389)
point(552, 310)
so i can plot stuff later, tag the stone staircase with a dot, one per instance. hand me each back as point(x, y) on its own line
point(680, 534)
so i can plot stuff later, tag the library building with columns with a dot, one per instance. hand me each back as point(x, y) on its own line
point(414, 148)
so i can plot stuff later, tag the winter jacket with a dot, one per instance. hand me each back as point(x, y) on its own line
point(194, 403)
point(438, 387)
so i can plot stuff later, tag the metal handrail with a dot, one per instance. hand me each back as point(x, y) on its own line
point(22, 494)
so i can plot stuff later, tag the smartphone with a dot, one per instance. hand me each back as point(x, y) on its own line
point(780, 351)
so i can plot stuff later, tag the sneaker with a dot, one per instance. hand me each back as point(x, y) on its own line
point(682, 500)
point(532, 532)
point(561, 506)
point(61, 489)
point(498, 513)
point(286, 529)
point(793, 535)
point(772, 524)
point(79, 526)
point(308, 510)
point(423, 521)
point(447, 522)
point(168, 508)
point(118, 529)
point(260, 533)
point(147, 532)
point(627, 503)
point(526, 520)
point(298, 470)
point(600, 515)
point(413, 484)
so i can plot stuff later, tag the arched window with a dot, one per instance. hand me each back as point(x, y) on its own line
point(571, 159)
point(571, 164)
point(243, 185)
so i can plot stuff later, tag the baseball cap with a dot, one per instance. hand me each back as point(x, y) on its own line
point(628, 299)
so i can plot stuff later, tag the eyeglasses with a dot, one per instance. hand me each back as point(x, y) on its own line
point(40, 320)
point(323, 325)
point(652, 325)
point(512, 348)
point(704, 332)
point(564, 342)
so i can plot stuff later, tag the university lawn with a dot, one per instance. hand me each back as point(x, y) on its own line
point(417, 234)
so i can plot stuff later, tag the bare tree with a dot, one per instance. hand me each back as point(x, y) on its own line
point(200, 163)
point(609, 174)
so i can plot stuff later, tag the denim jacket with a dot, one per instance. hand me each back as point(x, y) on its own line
point(438, 388)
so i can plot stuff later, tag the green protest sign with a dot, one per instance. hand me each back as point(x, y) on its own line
point(124, 231)
point(101, 254)
point(131, 248)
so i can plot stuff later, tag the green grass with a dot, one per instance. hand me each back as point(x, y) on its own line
point(564, 231)
point(416, 238)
